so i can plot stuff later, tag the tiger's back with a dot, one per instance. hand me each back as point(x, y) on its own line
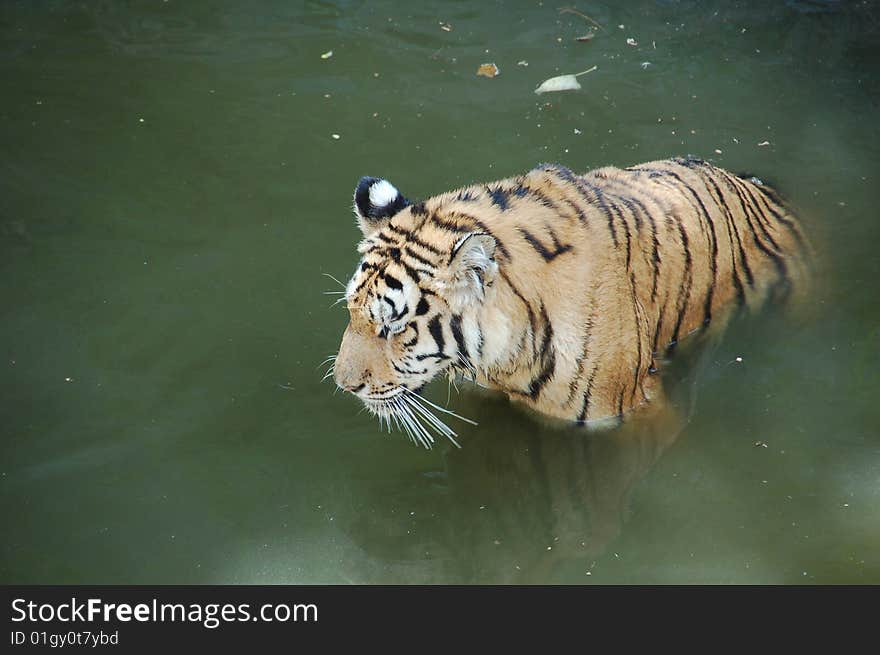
point(578, 284)
point(632, 260)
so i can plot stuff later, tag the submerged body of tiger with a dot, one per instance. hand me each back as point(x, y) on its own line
point(562, 290)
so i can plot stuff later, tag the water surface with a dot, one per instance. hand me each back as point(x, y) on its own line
point(171, 194)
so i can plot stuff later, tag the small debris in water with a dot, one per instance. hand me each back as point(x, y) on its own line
point(760, 444)
point(631, 41)
point(572, 10)
point(717, 151)
point(522, 62)
point(327, 54)
point(764, 143)
point(645, 65)
point(446, 27)
point(488, 70)
point(335, 136)
point(738, 359)
point(586, 37)
point(68, 379)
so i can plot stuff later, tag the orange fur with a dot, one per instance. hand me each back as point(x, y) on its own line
point(564, 290)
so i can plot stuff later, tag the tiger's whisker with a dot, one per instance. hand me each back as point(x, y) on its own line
point(413, 394)
point(330, 358)
point(334, 279)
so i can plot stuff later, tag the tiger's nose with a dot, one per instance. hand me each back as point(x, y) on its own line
point(349, 371)
point(352, 389)
point(347, 377)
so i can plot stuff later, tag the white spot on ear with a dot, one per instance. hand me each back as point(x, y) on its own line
point(382, 194)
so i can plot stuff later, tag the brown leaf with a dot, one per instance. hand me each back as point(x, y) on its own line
point(488, 70)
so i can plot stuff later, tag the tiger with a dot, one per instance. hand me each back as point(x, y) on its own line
point(566, 292)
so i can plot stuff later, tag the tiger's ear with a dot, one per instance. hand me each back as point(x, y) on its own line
point(375, 201)
point(471, 268)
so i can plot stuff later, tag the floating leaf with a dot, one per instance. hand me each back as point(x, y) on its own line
point(562, 82)
point(488, 70)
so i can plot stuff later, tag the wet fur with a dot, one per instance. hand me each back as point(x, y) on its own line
point(564, 291)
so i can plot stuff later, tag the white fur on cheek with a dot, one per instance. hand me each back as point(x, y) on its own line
point(382, 193)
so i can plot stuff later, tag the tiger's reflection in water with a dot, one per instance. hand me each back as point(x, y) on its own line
point(523, 501)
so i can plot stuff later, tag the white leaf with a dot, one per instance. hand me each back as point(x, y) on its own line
point(562, 82)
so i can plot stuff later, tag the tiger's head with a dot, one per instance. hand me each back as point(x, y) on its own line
point(412, 305)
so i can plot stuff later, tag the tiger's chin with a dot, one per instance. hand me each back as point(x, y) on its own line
point(408, 411)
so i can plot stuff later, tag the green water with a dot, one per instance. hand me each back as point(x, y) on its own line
point(171, 194)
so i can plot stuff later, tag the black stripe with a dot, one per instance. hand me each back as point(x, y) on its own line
point(775, 256)
point(422, 307)
point(393, 282)
point(409, 252)
point(728, 215)
point(684, 291)
point(657, 329)
point(436, 331)
point(582, 415)
point(638, 333)
point(462, 229)
point(412, 272)
point(707, 308)
point(758, 213)
point(415, 339)
point(655, 243)
point(412, 237)
point(499, 196)
point(540, 197)
point(599, 199)
point(437, 355)
point(547, 358)
point(391, 304)
point(619, 214)
point(579, 362)
point(406, 371)
point(449, 226)
point(546, 253)
point(455, 325)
